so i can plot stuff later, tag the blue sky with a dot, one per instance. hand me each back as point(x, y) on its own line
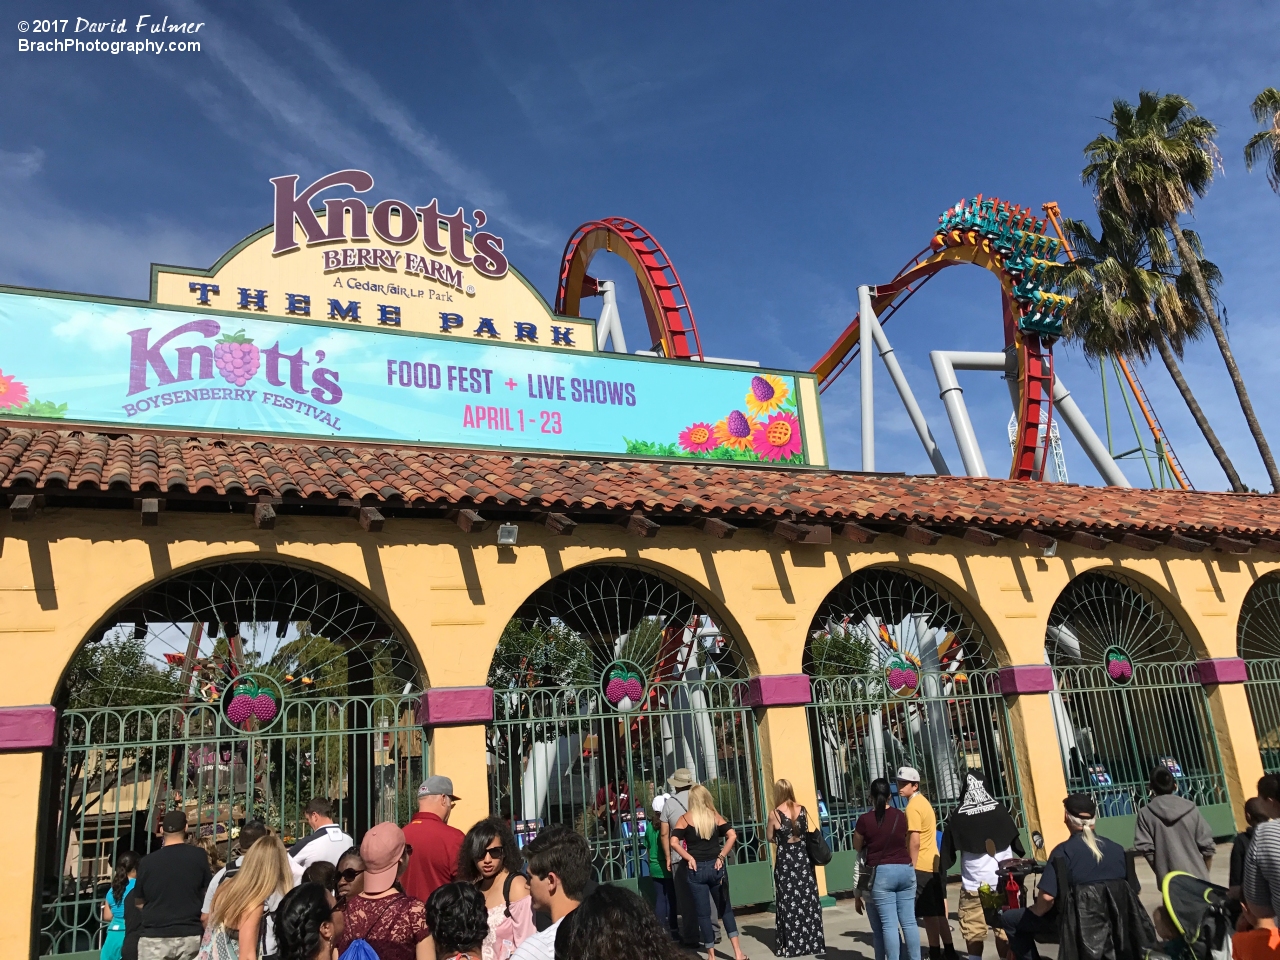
point(781, 154)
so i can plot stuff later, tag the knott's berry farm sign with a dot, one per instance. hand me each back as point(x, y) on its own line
point(389, 323)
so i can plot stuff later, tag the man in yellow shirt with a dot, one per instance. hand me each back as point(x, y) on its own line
point(922, 843)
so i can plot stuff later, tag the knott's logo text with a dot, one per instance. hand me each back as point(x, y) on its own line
point(293, 210)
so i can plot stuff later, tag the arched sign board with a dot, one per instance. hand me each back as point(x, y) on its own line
point(353, 321)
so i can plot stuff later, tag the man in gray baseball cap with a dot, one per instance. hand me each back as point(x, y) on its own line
point(433, 844)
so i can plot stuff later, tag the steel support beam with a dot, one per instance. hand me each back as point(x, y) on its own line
point(908, 398)
point(867, 318)
point(945, 363)
point(1094, 448)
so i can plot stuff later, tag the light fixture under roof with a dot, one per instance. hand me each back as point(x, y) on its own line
point(507, 533)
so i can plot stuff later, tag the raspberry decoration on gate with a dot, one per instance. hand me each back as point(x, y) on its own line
point(1119, 666)
point(623, 685)
point(236, 357)
point(252, 697)
point(902, 672)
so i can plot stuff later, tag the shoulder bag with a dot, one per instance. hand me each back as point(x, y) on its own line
point(816, 844)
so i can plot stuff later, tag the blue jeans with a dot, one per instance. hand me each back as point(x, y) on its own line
point(1021, 927)
point(894, 894)
point(709, 886)
point(873, 918)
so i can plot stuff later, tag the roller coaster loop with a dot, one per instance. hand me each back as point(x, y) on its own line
point(1009, 241)
point(666, 307)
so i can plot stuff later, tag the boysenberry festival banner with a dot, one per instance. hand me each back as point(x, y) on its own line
point(113, 363)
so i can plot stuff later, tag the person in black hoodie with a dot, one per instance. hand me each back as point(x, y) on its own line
point(1171, 832)
point(983, 833)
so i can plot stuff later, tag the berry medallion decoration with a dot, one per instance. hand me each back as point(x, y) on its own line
point(236, 357)
point(252, 702)
point(902, 673)
point(624, 686)
point(1119, 666)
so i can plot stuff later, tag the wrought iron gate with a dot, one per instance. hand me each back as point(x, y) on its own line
point(1128, 698)
point(608, 680)
point(232, 693)
point(898, 679)
point(1258, 637)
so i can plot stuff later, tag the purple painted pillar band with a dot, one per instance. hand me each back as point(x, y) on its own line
point(1222, 670)
point(1026, 678)
point(455, 706)
point(28, 728)
point(782, 690)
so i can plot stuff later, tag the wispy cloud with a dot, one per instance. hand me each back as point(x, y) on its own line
point(48, 244)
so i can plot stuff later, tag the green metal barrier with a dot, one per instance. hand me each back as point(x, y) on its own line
point(122, 770)
point(859, 730)
point(564, 755)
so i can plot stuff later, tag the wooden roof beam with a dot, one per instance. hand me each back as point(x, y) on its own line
point(715, 527)
point(638, 525)
point(799, 532)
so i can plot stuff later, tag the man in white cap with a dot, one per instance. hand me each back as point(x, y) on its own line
point(922, 844)
point(435, 844)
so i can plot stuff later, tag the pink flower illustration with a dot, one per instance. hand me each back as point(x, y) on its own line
point(12, 392)
point(698, 438)
point(778, 439)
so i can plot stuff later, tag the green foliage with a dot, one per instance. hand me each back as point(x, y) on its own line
point(728, 800)
point(1264, 146)
point(535, 655)
point(647, 448)
point(117, 672)
point(45, 409)
point(840, 652)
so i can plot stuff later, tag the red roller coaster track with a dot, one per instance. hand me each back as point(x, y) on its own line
point(666, 307)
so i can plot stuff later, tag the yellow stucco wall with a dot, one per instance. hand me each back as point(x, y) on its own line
point(450, 594)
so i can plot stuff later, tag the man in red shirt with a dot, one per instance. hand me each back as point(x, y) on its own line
point(435, 844)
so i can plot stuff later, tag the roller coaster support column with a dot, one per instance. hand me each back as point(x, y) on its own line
point(908, 398)
point(868, 384)
point(1096, 450)
point(610, 324)
point(945, 363)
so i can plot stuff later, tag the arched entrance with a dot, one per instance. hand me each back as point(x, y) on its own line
point(608, 679)
point(901, 676)
point(1128, 698)
point(1258, 641)
point(232, 692)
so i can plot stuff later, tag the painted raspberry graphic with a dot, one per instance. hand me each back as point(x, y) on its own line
point(1119, 668)
point(762, 388)
point(240, 709)
point(236, 357)
point(264, 707)
point(737, 423)
point(615, 691)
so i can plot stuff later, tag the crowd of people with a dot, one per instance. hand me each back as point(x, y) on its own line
point(428, 891)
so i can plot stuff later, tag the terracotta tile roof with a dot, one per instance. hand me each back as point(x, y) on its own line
point(67, 462)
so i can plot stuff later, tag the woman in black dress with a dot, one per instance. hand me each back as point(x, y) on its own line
point(798, 909)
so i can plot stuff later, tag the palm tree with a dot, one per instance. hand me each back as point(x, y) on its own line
point(1264, 146)
point(1160, 158)
point(1127, 300)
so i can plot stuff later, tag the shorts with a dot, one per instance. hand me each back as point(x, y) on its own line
point(973, 919)
point(931, 896)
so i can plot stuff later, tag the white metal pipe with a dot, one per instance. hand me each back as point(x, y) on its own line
point(609, 326)
point(1094, 448)
point(908, 398)
point(866, 314)
point(945, 363)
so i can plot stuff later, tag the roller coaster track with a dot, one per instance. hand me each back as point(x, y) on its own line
point(671, 324)
point(1008, 241)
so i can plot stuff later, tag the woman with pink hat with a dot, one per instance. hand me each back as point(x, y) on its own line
point(393, 924)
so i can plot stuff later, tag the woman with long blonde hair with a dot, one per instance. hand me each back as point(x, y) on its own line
point(240, 923)
point(707, 839)
point(798, 909)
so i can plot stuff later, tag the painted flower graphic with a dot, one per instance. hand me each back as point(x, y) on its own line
point(698, 438)
point(778, 439)
point(734, 431)
point(12, 392)
point(766, 395)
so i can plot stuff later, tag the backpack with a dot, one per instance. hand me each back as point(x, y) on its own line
point(359, 950)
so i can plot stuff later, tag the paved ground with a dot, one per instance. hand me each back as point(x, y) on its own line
point(849, 935)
